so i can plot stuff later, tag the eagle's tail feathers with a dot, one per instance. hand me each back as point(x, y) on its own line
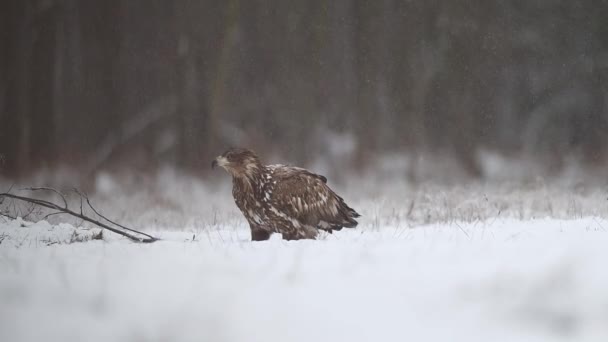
point(349, 215)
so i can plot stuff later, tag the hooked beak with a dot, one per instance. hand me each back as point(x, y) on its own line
point(219, 161)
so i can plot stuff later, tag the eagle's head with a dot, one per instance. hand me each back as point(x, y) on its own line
point(239, 162)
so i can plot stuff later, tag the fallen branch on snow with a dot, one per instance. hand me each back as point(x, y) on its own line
point(63, 209)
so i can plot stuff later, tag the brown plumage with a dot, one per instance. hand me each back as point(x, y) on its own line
point(283, 199)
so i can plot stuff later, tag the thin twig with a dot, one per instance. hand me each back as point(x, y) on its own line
point(52, 214)
point(462, 229)
point(43, 188)
point(112, 222)
point(7, 216)
point(411, 208)
point(30, 210)
point(81, 213)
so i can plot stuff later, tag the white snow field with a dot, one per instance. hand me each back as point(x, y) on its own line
point(499, 279)
point(500, 261)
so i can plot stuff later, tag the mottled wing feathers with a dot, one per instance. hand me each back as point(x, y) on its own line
point(305, 197)
point(283, 199)
point(285, 171)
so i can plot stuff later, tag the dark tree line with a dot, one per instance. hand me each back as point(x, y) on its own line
point(95, 84)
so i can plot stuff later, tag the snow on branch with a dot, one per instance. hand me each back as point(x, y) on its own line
point(64, 209)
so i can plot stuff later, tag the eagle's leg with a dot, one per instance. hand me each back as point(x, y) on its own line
point(259, 234)
point(289, 236)
point(305, 232)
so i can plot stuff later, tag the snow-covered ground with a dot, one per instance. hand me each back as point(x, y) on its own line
point(497, 279)
point(505, 260)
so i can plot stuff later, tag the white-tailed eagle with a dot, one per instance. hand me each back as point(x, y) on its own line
point(283, 199)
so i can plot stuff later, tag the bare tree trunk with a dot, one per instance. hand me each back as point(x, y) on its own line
point(22, 78)
point(366, 109)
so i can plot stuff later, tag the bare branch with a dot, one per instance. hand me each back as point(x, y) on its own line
point(30, 209)
point(53, 206)
point(110, 221)
point(7, 216)
point(43, 188)
point(9, 190)
point(81, 213)
point(52, 214)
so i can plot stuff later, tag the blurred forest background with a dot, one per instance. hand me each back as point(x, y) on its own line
point(140, 84)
